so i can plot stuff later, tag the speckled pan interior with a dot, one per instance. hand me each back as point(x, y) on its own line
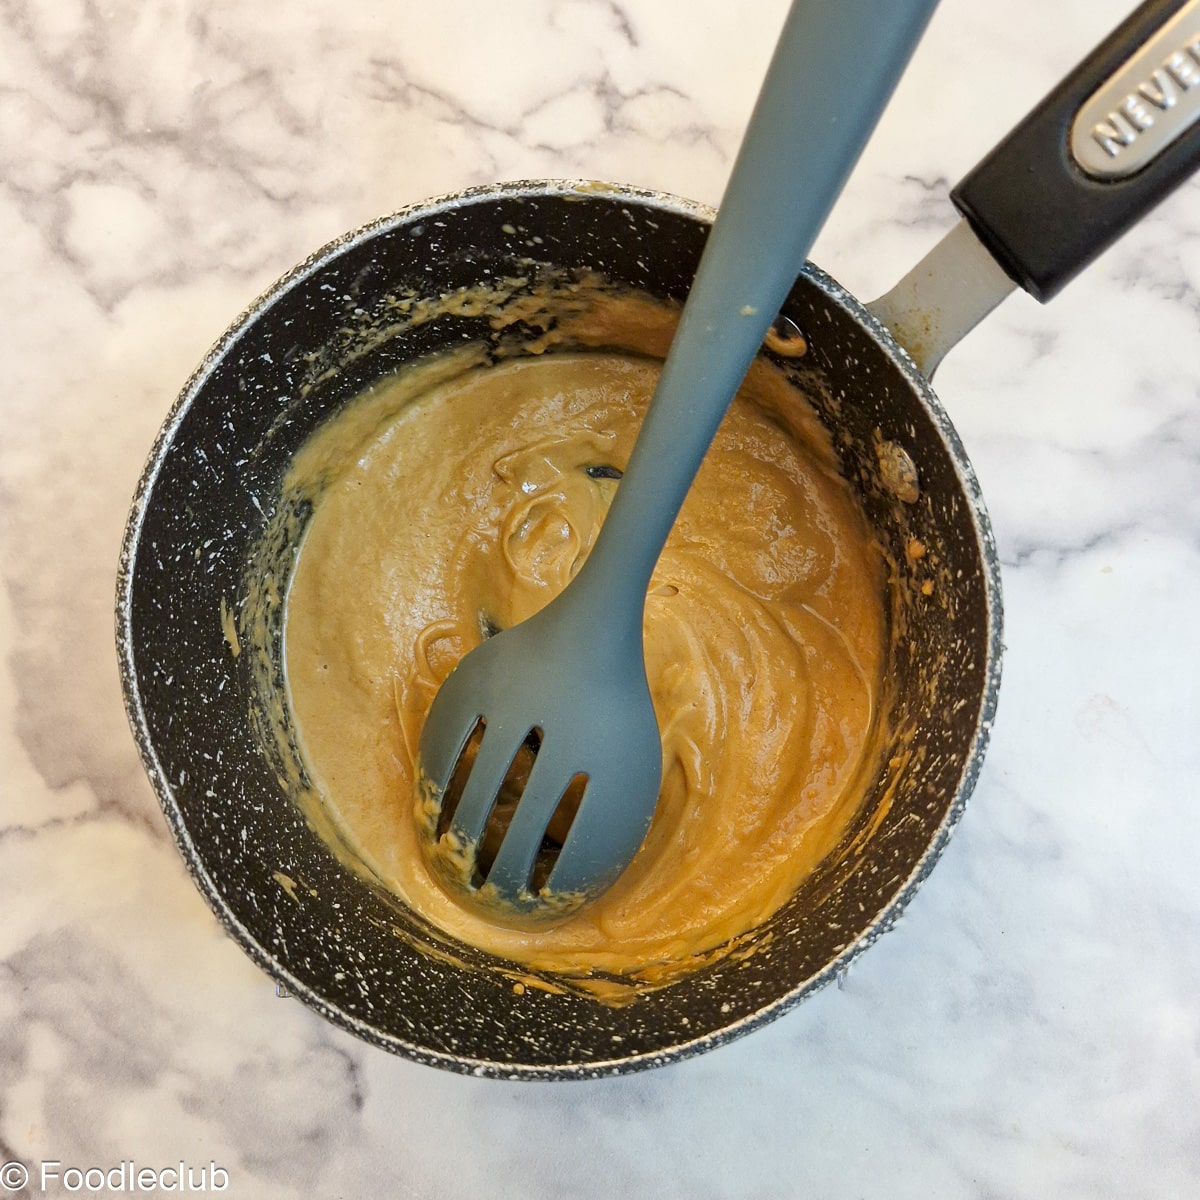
point(210, 485)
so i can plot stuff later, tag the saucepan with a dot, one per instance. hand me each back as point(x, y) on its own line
point(1095, 155)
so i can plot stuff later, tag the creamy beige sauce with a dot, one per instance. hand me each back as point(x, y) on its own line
point(457, 496)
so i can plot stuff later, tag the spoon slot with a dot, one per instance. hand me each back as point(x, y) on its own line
point(509, 795)
point(458, 780)
point(556, 833)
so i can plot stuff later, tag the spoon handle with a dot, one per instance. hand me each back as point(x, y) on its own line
point(833, 70)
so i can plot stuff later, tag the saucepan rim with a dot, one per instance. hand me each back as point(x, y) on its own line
point(259, 310)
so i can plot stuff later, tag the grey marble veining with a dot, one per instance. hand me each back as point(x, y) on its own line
point(1032, 1026)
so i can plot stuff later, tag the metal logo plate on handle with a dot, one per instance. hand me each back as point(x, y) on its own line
point(1145, 106)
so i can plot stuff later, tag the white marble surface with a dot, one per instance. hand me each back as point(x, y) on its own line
point(1032, 1028)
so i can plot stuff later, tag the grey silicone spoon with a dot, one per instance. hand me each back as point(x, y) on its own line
point(575, 671)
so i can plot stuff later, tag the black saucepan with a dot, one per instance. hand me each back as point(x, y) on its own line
point(327, 329)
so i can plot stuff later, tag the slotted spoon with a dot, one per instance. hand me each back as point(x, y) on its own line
point(574, 673)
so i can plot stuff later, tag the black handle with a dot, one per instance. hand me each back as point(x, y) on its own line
point(1044, 214)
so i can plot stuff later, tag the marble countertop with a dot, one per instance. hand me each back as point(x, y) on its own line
point(1032, 1026)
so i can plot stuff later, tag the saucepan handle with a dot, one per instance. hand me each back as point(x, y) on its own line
point(1120, 132)
point(1111, 140)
